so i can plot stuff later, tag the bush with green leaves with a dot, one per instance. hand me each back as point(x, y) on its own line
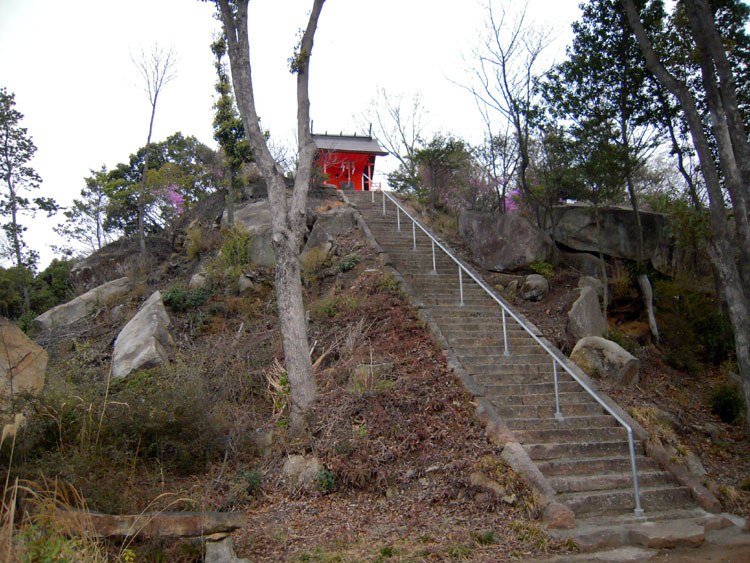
point(180, 298)
point(347, 263)
point(694, 328)
point(235, 249)
point(725, 401)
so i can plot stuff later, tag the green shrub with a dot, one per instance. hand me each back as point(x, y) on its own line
point(347, 263)
point(725, 401)
point(235, 250)
point(543, 269)
point(180, 298)
point(694, 328)
point(326, 481)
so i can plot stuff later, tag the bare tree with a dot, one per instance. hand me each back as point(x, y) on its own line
point(733, 161)
point(288, 214)
point(157, 69)
point(505, 67)
point(398, 129)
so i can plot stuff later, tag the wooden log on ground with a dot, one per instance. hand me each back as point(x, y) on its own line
point(150, 524)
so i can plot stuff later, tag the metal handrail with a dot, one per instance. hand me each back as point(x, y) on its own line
point(505, 309)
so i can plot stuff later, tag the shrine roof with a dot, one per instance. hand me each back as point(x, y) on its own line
point(349, 143)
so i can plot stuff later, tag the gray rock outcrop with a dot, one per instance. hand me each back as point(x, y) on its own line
point(23, 364)
point(601, 357)
point(583, 262)
point(302, 470)
point(534, 287)
point(585, 317)
point(255, 218)
point(504, 241)
point(327, 226)
point(83, 305)
point(145, 341)
point(574, 226)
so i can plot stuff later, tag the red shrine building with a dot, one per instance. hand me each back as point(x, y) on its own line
point(347, 161)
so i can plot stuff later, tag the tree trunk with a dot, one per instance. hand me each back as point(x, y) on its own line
point(288, 216)
point(142, 190)
point(602, 265)
point(721, 250)
point(17, 246)
point(230, 198)
point(648, 301)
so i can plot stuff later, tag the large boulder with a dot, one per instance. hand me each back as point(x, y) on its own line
point(587, 264)
point(83, 305)
point(327, 226)
point(585, 317)
point(302, 470)
point(255, 218)
point(145, 341)
point(534, 287)
point(601, 357)
point(22, 364)
point(504, 241)
point(574, 226)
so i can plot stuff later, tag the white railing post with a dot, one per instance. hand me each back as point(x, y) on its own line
point(372, 194)
point(558, 414)
point(461, 284)
point(414, 233)
point(434, 264)
point(505, 334)
point(384, 203)
point(398, 219)
point(638, 510)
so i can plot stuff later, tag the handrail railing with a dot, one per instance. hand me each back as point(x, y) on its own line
point(505, 309)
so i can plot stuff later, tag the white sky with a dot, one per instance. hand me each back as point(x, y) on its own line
point(69, 65)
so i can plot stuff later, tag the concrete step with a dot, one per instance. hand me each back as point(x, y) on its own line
point(508, 369)
point(546, 388)
point(594, 465)
point(621, 500)
point(605, 481)
point(534, 359)
point(597, 421)
point(513, 378)
point(541, 399)
point(546, 411)
point(498, 347)
point(557, 450)
point(570, 435)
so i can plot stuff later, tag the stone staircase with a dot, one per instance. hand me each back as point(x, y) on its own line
point(583, 459)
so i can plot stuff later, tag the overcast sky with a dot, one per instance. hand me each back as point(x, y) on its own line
point(69, 65)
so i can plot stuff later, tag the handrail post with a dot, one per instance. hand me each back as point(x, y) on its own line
point(638, 510)
point(505, 334)
point(372, 194)
point(384, 203)
point(461, 284)
point(414, 233)
point(558, 414)
point(434, 264)
point(398, 219)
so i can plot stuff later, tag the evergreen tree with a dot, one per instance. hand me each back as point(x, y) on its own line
point(16, 151)
point(229, 131)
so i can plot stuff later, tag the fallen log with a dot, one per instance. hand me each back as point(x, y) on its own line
point(149, 524)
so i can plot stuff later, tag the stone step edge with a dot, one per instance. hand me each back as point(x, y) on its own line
point(664, 530)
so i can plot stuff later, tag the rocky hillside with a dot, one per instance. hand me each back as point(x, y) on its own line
point(395, 465)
